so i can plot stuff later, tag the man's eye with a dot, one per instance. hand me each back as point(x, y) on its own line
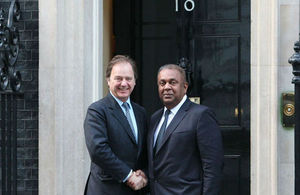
point(128, 79)
point(118, 79)
point(173, 82)
point(162, 83)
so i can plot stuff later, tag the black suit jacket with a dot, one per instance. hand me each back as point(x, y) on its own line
point(190, 158)
point(112, 146)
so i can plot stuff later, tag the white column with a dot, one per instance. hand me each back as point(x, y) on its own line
point(264, 96)
point(70, 78)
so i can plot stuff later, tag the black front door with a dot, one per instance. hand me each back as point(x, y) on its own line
point(214, 36)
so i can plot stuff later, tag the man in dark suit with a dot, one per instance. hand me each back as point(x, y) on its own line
point(115, 133)
point(185, 154)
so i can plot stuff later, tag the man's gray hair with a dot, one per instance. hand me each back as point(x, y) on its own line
point(174, 67)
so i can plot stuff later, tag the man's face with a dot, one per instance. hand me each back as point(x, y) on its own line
point(121, 81)
point(171, 87)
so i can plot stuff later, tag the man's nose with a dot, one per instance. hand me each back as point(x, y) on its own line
point(123, 82)
point(167, 86)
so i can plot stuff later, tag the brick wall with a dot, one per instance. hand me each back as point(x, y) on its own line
point(27, 127)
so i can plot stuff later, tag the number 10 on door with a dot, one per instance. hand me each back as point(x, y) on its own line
point(189, 5)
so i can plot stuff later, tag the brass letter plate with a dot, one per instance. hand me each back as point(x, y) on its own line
point(288, 109)
point(196, 100)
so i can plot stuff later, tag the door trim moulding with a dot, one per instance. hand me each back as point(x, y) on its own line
point(264, 96)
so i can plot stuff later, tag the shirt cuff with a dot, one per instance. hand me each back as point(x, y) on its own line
point(127, 176)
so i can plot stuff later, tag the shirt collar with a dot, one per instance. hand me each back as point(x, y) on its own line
point(119, 101)
point(178, 106)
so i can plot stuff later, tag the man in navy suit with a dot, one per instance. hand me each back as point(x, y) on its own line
point(115, 133)
point(185, 154)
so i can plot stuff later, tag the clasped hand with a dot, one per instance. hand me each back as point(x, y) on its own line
point(137, 180)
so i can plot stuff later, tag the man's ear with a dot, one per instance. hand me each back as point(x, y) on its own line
point(186, 86)
point(107, 81)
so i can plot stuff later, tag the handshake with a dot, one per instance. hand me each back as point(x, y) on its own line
point(137, 180)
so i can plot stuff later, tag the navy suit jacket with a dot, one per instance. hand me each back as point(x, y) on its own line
point(190, 159)
point(112, 146)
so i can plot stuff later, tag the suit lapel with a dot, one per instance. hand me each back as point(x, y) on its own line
point(119, 115)
point(175, 122)
point(155, 122)
point(139, 124)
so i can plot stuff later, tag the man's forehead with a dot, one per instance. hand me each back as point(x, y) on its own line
point(123, 76)
point(170, 74)
point(168, 78)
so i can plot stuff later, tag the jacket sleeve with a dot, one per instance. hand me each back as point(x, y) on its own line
point(98, 145)
point(211, 151)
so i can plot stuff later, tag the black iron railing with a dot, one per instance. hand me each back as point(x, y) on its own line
point(10, 79)
point(10, 85)
point(295, 61)
point(9, 142)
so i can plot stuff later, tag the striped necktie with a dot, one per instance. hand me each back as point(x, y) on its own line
point(161, 132)
point(126, 106)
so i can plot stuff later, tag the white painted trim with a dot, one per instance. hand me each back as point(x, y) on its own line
point(97, 49)
point(264, 96)
point(70, 78)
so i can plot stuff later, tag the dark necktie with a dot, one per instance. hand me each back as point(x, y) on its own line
point(126, 106)
point(161, 132)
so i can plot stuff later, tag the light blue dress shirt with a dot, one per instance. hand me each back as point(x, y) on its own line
point(131, 114)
